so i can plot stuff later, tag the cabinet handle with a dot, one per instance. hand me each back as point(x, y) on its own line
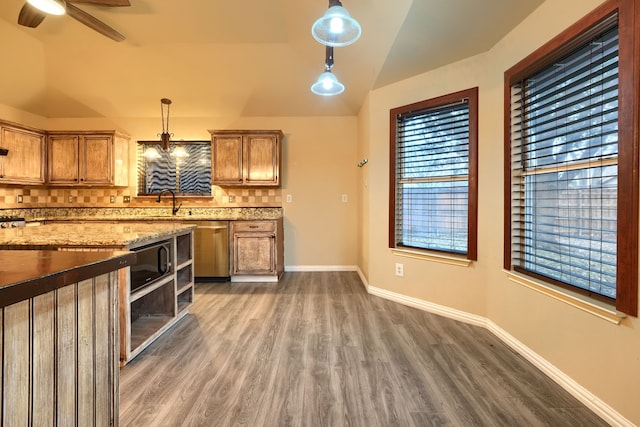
point(254, 226)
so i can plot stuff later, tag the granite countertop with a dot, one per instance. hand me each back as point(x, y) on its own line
point(144, 214)
point(26, 274)
point(103, 235)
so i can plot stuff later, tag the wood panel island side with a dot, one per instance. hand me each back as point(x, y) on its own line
point(145, 312)
point(59, 337)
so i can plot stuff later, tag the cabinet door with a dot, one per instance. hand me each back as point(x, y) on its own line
point(63, 159)
point(227, 160)
point(261, 160)
point(96, 161)
point(254, 253)
point(24, 163)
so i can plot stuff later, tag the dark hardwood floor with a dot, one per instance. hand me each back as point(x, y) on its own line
point(316, 350)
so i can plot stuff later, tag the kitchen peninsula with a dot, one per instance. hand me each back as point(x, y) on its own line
point(58, 336)
point(149, 308)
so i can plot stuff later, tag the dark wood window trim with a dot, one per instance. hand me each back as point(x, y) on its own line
point(629, 128)
point(472, 96)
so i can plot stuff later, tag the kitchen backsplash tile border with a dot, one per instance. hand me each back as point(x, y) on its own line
point(13, 197)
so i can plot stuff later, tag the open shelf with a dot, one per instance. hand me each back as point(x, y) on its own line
point(146, 328)
point(152, 310)
point(185, 299)
point(183, 248)
point(136, 295)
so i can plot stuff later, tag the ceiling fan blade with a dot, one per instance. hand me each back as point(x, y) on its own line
point(93, 23)
point(108, 3)
point(30, 16)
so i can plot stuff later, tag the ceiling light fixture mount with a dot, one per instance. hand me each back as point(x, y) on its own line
point(52, 7)
point(327, 84)
point(336, 27)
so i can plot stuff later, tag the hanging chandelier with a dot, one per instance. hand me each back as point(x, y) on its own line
point(165, 136)
point(336, 27)
point(327, 84)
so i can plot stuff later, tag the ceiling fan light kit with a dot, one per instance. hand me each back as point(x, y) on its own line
point(52, 7)
point(336, 28)
point(34, 11)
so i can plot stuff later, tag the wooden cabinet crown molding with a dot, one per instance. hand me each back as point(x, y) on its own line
point(246, 157)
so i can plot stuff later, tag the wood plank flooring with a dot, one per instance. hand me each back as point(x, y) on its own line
point(316, 350)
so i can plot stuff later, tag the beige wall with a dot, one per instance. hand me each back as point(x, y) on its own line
point(319, 166)
point(600, 356)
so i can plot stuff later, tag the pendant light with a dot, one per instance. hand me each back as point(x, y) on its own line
point(336, 27)
point(52, 7)
point(327, 84)
point(165, 136)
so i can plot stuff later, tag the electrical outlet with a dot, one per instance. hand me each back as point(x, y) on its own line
point(112, 199)
point(232, 199)
point(19, 198)
point(289, 198)
point(70, 199)
point(126, 199)
point(345, 199)
point(399, 269)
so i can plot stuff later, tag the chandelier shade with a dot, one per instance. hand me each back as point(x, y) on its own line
point(336, 27)
point(327, 84)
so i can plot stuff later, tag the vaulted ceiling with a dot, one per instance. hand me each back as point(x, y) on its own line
point(218, 58)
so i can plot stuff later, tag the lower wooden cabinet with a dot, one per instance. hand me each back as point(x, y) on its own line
point(257, 250)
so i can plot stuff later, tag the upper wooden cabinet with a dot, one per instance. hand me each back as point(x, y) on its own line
point(246, 157)
point(25, 162)
point(87, 158)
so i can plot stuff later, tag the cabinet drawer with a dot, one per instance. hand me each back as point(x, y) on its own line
point(242, 226)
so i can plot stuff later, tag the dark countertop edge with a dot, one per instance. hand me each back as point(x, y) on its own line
point(31, 288)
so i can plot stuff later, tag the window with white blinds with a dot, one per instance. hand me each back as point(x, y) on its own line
point(571, 184)
point(434, 147)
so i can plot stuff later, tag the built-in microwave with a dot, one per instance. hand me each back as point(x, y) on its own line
point(153, 262)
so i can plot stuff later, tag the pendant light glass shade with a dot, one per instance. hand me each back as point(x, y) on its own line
point(336, 28)
point(52, 7)
point(151, 154)
point(327, 84)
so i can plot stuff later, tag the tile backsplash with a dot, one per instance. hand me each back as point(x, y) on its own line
point(14, 197)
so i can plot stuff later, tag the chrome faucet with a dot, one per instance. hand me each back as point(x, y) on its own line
point(174, 210)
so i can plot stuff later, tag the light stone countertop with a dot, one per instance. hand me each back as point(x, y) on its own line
point(90, 235)
point(144, 214)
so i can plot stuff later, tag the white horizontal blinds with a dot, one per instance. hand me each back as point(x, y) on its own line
point(432, 175)
point(564, 133)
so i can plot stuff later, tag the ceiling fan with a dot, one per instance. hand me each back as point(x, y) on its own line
point(31, 16)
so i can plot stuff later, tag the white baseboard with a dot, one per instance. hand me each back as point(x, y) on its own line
point(597, 405)
point(251, 279)
point(320, 268)
point(590, 400)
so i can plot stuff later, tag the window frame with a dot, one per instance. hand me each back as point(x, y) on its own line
point(628, 128)
point(471, 95)
point(141, 146)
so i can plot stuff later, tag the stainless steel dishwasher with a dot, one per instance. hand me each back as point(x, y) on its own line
point(211, 250)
